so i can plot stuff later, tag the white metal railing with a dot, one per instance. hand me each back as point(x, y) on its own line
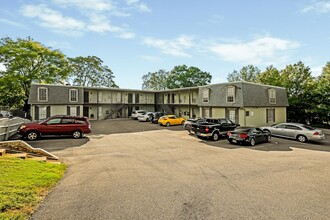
point(8, 127)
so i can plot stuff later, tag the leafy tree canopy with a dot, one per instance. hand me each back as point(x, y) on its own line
point(248, 73)
point(155, 80)
point(27, 61)
point(89, 71)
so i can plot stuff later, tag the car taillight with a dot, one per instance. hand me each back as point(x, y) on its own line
point(228, 133)
point(207, 129)
point(243, 136)
point(316, 133)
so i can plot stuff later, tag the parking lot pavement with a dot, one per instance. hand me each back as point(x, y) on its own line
point(168, 174)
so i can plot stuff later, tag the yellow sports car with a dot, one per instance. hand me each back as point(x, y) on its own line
point(169, 120)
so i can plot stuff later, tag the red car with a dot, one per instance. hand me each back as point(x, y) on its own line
point(75, 126)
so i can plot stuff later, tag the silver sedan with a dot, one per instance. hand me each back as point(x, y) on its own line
point(300, 132)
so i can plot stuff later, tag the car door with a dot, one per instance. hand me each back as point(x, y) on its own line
point(51, 127)
point(291, 131)
point(172, 120)
point(278, 130)
point(257, 134)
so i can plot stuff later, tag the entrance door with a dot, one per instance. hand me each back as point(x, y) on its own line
point(86, 111)
point(86, 96)
point(137, 98)
point(130, 98)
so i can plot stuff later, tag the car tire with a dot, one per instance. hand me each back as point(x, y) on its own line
point(168, 124)
point(230, 141)
point(215, 136)
point(76, 134)
point(32, 135)
point(252, 142)
point(302, 138)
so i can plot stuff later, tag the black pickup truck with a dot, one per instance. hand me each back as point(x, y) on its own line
point(214, 128)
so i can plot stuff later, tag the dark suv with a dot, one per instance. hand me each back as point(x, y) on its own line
point(75, 126)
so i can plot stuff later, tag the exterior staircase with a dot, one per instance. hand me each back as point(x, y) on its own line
point(113, 111)
point(166, 108)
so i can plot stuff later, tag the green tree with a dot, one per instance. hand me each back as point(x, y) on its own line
point(248, 73)
point(155, 80)
point(300, 86)
point(89, 71)
point(26, 62)
point(271, 76)
point(182, 76)
point(322, 95)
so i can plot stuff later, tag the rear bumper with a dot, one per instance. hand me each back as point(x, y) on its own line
point(317, 138)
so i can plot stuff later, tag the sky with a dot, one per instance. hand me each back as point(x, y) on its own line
point(134, 37)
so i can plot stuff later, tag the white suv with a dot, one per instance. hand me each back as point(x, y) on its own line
point(136, 113)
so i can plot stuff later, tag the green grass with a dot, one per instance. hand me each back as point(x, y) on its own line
point(23, 184)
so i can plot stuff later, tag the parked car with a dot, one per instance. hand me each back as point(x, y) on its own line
point(155, 116)
point(144, 116)
point(135, 114)
point(248, 135)
point(214, 128)
point(6, 114)
point(300, 132)
point(169, 120)
point(76, 126)
point(192, 123)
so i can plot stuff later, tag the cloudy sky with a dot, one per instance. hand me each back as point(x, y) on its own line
point(134, 37)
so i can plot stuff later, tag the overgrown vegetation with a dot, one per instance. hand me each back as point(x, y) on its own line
point(23, 184)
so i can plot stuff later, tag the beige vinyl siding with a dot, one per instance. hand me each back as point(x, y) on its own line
point(218, 112)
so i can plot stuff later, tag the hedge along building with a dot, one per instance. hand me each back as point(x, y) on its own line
point(246, 103)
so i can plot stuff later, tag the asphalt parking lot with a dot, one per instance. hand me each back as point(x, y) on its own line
point(132, 170)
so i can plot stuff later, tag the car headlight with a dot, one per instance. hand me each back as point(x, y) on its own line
point(22, 127)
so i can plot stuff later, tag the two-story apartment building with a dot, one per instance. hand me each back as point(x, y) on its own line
point(246, 103)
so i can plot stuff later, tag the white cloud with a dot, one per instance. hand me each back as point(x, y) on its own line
point(12, 23)
point(316, 70)
point(318, 6)
point(176, 47)
point(53, 20)
point(140, 6)
point(260, 50)
point(96, 5)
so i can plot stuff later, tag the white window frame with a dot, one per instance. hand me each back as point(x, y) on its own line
point(73, 110)
point(232, 115)
point(272, 96)
point(206, 95)
point(230, 94)
point(270, 117)
point(42, 112)
point(46, 94)
point(73, 98)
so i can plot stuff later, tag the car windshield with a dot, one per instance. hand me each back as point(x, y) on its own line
point(308, 127)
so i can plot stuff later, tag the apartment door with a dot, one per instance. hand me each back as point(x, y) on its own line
point(86, 111)
point(86, 96)
point(130, 98)
point(137, 98)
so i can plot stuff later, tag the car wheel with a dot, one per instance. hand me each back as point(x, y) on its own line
point(252, 142)
point(32, 135)
point(230, 141)
point(302, 138)
point(76, 134)
point(168, 124)
point(269, 138)
point(215, 136)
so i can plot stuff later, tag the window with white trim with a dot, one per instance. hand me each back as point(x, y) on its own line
point(270, 115)
point(206, 94)
point(272, 96)
point(73, 95)
point(42, 94)
point(231, 94)
point(43, 112)
point(232, 115)
point(73, 110)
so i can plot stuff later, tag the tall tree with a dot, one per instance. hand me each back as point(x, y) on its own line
point(89, 71)
point(322, 95)
point(155, 80)
point(27, 61)
point(248, 73)
point(300, 85)
point(271, 76)
point(182, 76)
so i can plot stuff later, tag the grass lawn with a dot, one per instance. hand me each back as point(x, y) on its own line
point(23, 184)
